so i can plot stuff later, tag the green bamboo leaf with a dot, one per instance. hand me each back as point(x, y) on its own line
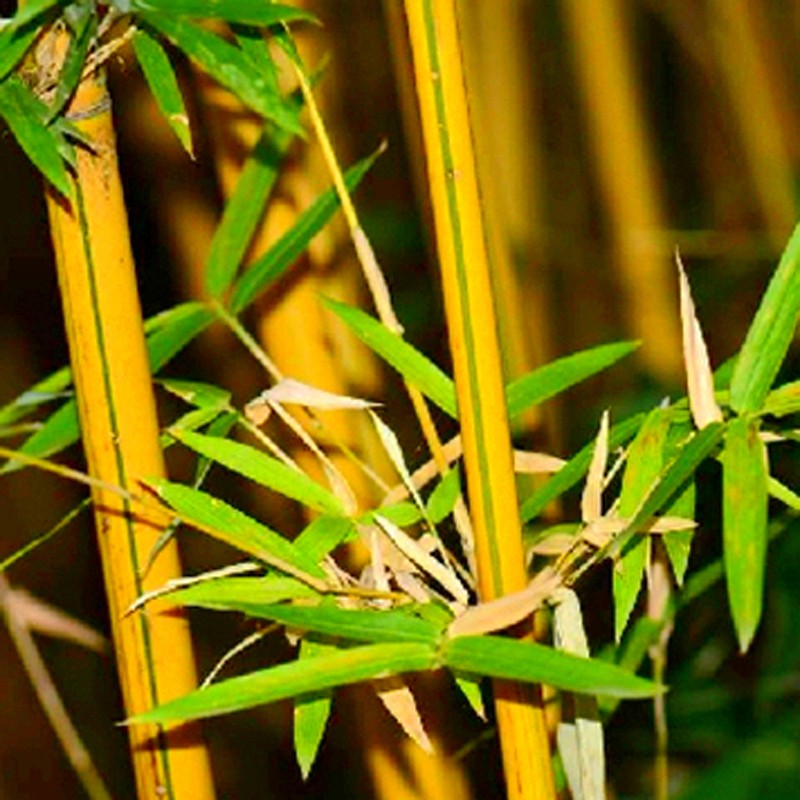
point(416, 368)
point(325, 534)
point(247, 12)
point(244, 210)
point(553, 378)
point(202, 395)
point(645, 460)
point(744, 496)
point(575, 469)
point(783, 493)
point(163, 83)
point(27, 118)
point(174, 330)
point(288, 248)
point(58, 432)
point(51, 388)
point(228, 66)
point(295, 679)
point(784, 400)
point(227, 594)
point(673, 480)
point(234, 527)
point(678, 543)
point(402, 514)
point(311, 713)
point(443, 498)
point(264, 470)
point(23, 30)
point(500, 657)
point(770, 333)
point(84, 28)
point(359, 625)
point(168, 333)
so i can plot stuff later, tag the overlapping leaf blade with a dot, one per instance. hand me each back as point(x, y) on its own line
point(288, 248)
point(361, 625)
point(296, 678)
point(234, 527)
point(229, 66)
point(553, 378)
point(27, 118)
point(163, 83)
point(248, 12)
point(770, 333)
point(264, 470)
point(415, 367)
point(500, 657)
point(744, 495)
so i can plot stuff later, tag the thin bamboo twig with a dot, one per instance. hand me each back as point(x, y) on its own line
point(472, 325)
point(50, 699)
point(120, 432)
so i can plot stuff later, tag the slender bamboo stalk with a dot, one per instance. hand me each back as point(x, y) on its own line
point(754, 89)
point(627, 171)
point(472, 324)
point(120, 434)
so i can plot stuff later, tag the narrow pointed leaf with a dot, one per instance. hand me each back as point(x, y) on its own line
point(247, 12)
point(230, 525)
point(678, 472)
point(325, 534)
point(228, 594)
point(499, 657)
point(23, 30)
point(163, 83)
point(296, 679)
point(770, 333)
point(85, 29)
point(311, 713)
point(553, 378)
point(784, 400)
point(359, 625)
point(644, 463)
point(228, 66)
point(27, 117)
point(416, 368)
point(575, 469)
point(244, 210)
point(744, 494)
point(168, 334)
point(443, 498)
point(264, 470)
point(291, 245)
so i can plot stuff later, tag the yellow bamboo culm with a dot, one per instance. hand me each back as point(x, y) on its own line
point(466, 280)
point(120, 434)
point(756, 91)
point(627, 172)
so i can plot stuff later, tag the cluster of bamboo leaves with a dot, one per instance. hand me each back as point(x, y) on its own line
point(353, 628)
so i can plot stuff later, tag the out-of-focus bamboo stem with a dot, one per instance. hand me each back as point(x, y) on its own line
point(472, 325)
point(121, 441)
point(628, 178)
point(509, 171)
point(755, 90)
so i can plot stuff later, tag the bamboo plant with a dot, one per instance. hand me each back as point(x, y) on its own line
point(446, 577)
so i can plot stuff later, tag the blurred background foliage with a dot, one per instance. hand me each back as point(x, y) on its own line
point(612, 132)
